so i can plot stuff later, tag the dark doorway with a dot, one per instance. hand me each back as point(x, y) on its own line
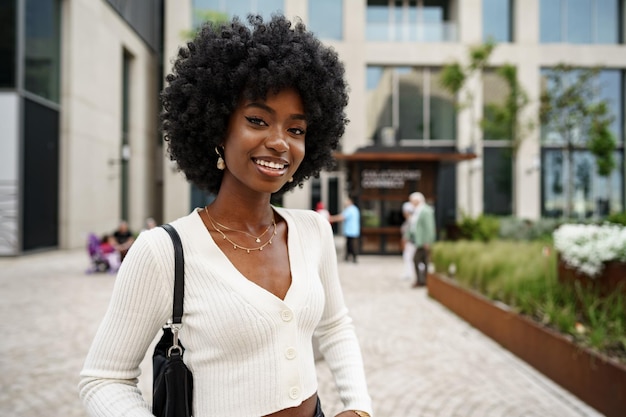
point(40, 198)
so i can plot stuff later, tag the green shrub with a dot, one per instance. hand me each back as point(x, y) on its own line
point(483, 228)
point(523, 275)
point(617, 218)
point(514, 228)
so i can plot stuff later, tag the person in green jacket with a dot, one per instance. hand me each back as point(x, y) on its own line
point(422, 234)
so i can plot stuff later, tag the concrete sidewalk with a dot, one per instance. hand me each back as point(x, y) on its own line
point(421, 360)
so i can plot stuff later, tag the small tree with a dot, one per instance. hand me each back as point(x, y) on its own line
point(602, 145)
point(503, 120)
point(201, 16)
point(454, 76)
point(572, 108)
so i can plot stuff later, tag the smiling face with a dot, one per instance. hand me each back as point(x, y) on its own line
point(264, 142)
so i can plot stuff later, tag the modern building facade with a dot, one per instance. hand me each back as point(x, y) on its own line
point(79, 90)
point(79, 148)
point(407, 132)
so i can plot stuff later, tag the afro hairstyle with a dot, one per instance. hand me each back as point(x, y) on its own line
point(228, 62)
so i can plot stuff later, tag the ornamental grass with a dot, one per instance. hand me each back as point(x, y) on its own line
point(523, 275)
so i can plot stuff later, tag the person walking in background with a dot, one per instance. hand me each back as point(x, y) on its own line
point(408, 249)
point(351, 218)
point(251, 110)
point(422, 235)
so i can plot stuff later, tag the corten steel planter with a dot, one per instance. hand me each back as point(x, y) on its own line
point(597, 380)
point(612, 277)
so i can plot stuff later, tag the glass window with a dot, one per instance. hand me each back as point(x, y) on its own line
point(379, 102)
point(589, 195)
point(607, 23)
point(434, 16)
point(326, 18)
point(406, 103)
point(42, 49)
point(497, 20)
point(570, 183)
point(497, 180)
point(409, 20)
point(442, 113)
point(550, 21)
point(411, 103)
point(579, 21)
point(378, 20)
point(609, 84)
point(7, 43)
point(495, 92)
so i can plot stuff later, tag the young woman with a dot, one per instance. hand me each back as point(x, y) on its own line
point(250, 111)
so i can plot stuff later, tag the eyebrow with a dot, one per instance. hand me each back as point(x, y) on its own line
point(263, 106)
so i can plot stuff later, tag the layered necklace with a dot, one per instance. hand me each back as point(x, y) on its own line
point(216, 225)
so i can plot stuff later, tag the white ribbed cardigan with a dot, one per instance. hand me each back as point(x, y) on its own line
point(250, 352)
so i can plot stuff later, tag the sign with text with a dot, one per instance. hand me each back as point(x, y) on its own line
point(388, 178)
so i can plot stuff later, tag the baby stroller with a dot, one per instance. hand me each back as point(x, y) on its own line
point(100, 260)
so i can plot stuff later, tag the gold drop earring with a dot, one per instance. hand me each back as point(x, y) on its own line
point(220, 161)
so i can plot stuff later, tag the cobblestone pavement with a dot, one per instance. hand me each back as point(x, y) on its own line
point(421, 360)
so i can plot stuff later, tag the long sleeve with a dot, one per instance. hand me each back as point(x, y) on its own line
point(336, 333)
point(138, 309)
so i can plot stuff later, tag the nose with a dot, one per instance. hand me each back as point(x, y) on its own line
point(277, 140)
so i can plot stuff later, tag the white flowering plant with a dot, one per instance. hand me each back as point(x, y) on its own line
point(586, 247)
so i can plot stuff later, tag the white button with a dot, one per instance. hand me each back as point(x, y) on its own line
point(294, 393)
point(290, 353)
point(286, 315)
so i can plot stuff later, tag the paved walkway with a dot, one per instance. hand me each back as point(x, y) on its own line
point(421, 360)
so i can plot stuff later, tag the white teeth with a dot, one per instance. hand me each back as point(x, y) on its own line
point(270, 164)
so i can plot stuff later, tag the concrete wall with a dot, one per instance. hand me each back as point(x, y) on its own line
point(176, 190)
point(94, 39)
point(9, 173)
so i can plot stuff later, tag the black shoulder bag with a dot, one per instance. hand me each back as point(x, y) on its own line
point(172, 390)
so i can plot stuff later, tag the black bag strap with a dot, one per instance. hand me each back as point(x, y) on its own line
point(179, 275)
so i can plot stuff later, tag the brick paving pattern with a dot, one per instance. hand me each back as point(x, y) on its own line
point(421, 360)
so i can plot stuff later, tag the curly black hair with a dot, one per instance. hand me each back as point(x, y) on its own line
point(228, 62)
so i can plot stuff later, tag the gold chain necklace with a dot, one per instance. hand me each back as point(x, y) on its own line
point(257, 239)
point(235, 245)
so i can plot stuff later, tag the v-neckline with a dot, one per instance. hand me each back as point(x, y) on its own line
point(237, 279)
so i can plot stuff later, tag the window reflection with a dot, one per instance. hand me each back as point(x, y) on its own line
point(497, 20)
point(326, 18)
point(590, 194)
point(410, 20)
point(610, 89)
point(579, 21)
point(578, 189)
point(408, 103)
point(42, 48)
point(495, 93)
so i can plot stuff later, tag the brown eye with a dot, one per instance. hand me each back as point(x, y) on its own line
point(256, 121)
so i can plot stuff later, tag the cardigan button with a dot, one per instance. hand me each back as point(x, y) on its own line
point(294, 393)
point(286, 315)
point(290, 353)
